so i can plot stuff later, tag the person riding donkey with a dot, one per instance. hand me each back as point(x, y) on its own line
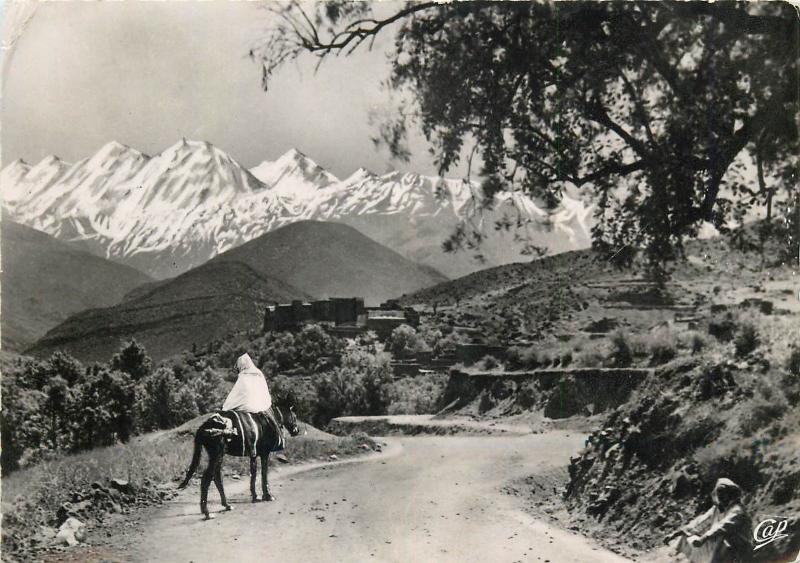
point(250, 395)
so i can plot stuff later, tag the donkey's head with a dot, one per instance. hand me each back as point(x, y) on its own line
point(284, 406)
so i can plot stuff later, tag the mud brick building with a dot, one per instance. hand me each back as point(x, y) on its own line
point(342, 316)
point(337, 311)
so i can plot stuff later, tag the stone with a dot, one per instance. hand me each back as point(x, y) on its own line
point(71, 532)
point(123, 485)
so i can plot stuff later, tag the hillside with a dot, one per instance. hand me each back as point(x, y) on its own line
point(46, 280)
point(580, 291)
point(332, 260)
point(202, 305)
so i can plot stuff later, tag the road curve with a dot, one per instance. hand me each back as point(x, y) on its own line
point(426, 499)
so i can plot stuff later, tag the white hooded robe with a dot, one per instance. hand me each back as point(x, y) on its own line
point(250, 393)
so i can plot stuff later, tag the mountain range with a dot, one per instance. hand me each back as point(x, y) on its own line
point(174, 211)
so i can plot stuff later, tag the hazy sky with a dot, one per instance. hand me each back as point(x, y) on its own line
point(148, 73)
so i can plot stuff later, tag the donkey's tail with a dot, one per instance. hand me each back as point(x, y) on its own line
point(198, 447)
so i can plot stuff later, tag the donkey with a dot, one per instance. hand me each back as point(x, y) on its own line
point(240, 434)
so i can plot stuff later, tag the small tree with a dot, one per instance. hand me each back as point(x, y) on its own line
point(56, 406)
point(210, 390)
point(22, 426)
point(132, 359)
point(103, 410)
point(404, 342)
point(155, 399)
point(183, 405)
point(64, 366)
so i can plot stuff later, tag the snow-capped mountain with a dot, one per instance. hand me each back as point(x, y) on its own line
point(168, 213)
point(294, 177)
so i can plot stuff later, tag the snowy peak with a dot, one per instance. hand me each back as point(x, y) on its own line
point(111, 154)
point(294, 176)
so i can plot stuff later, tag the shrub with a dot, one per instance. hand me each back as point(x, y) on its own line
point(489, 362)
point(793, 361)
point(164, 402)
point(361, 386)
point(747, 339)
point(103, 411)
point(133, 360)
point(210, 390)
point(663, 347)
point(590, 358)
point(621, 354)
point(404, 342)
point(523, 358)
point(417, 395)
point(722, 327)
point(300, 389)
point(22, 426)
point(694, 341)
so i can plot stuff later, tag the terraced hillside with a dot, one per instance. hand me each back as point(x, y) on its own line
point(581, 291)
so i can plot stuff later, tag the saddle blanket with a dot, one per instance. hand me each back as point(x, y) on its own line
point(243, 430)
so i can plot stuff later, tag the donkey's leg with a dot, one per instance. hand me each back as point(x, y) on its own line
point(218, 483)
point(264, 481)
point(253, 470)
point(208, 475)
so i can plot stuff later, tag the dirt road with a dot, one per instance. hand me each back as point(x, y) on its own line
point(424, 499)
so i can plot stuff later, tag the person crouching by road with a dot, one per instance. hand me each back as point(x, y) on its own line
point(720, 535)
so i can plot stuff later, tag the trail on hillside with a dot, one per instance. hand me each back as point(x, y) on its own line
point(428, 498)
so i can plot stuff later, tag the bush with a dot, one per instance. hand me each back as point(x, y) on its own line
point(663, 347)
point(489, 362)
point(22, 426)
point(210, 390)
point(361, 386)
point(694, 341)
point(793, 361)
point(621, 354)
point(164, 402)
point(762, 412)
point(417, 395)
point(522, 358)
point(404, 342)
point(722, 327)
point(301, 389)
point(103, 411)
point(589, 358)
point(133, 360)
point(747, 339)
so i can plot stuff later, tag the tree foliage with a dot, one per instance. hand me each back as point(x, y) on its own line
point(361, 385)
point(133, 360)
point(656, 111)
